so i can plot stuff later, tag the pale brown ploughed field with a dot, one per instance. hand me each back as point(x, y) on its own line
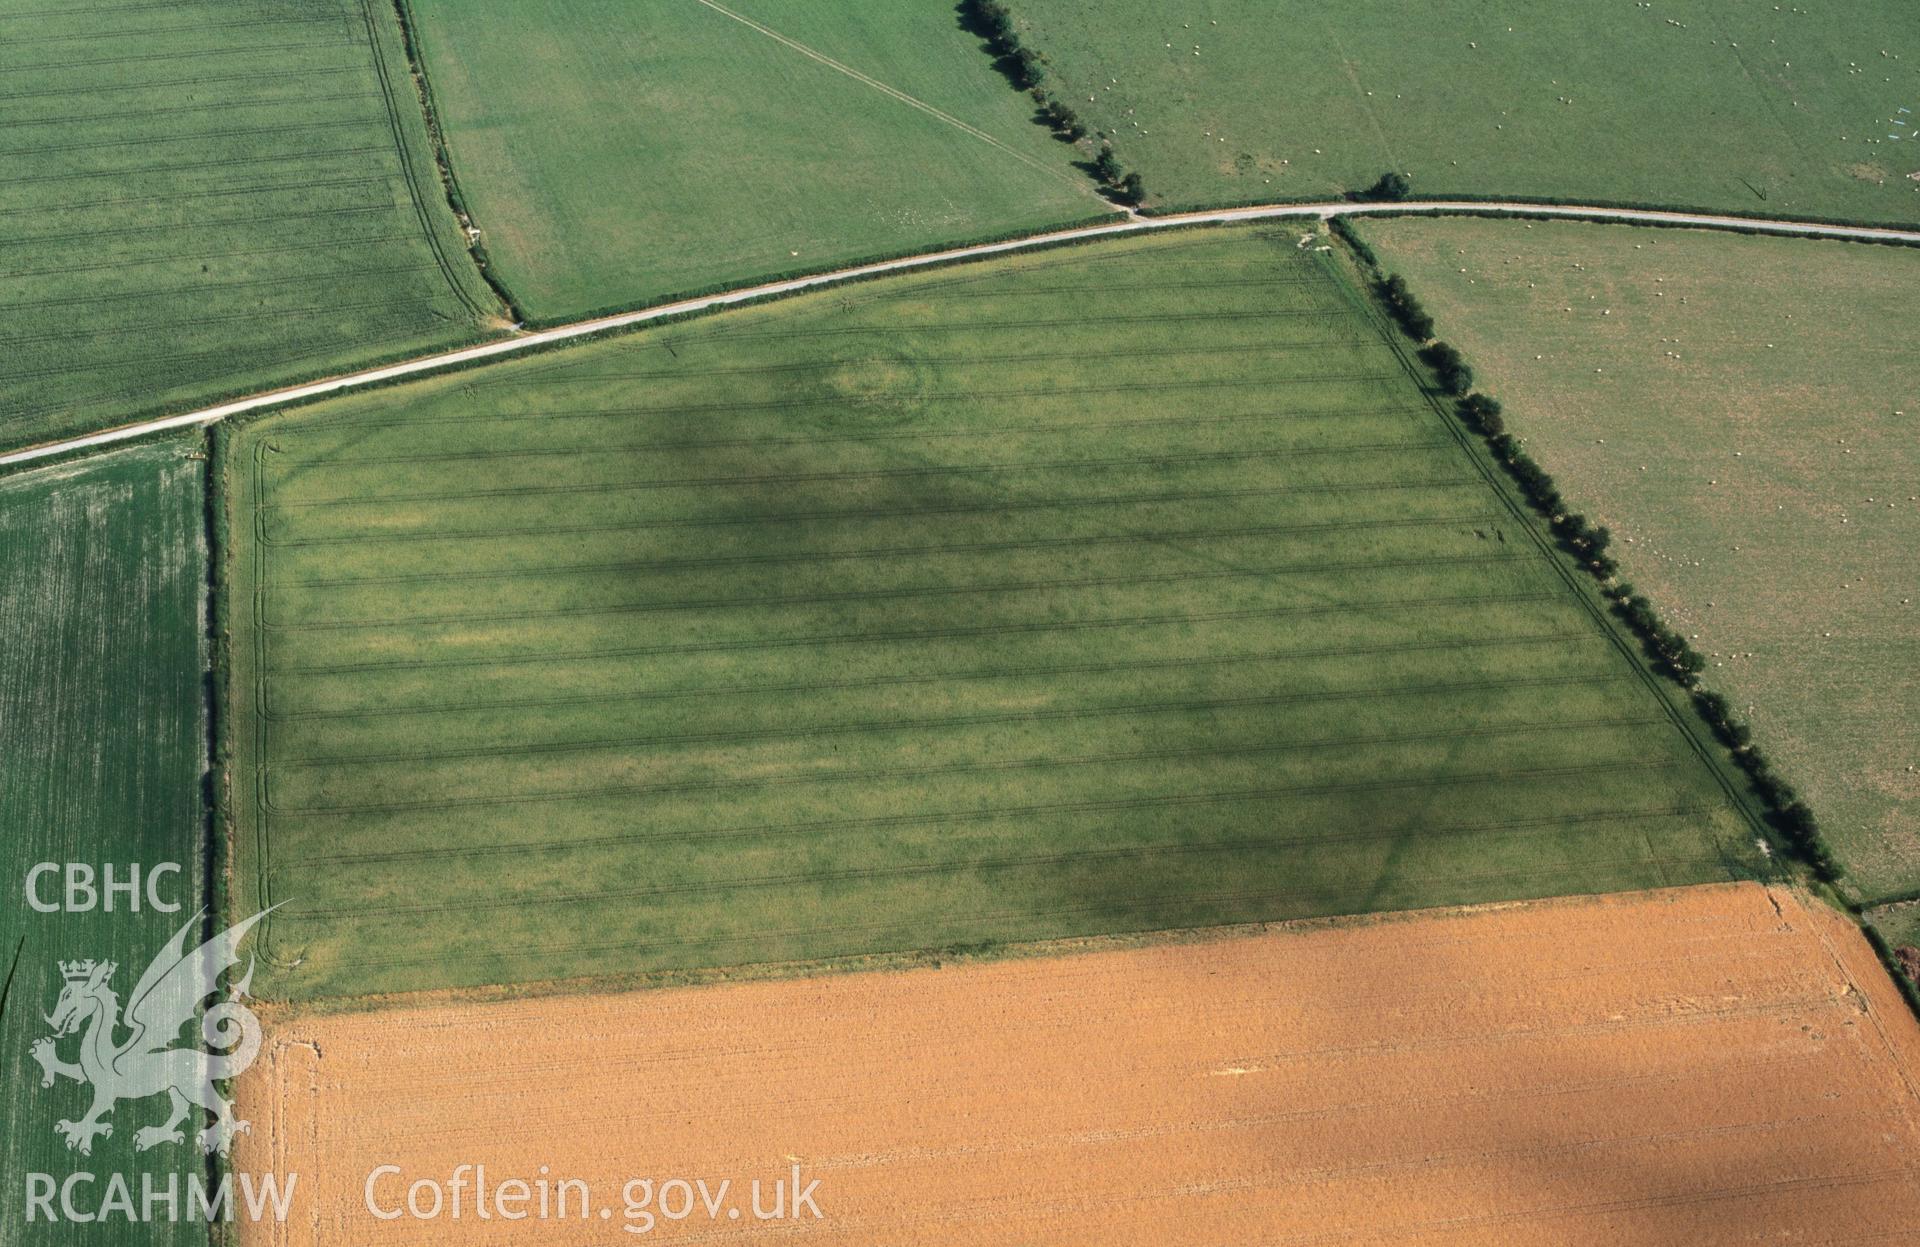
point(1713, 1064)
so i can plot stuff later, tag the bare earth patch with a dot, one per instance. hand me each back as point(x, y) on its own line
point(1683, 1066)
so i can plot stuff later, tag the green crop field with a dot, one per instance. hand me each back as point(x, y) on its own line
point(1776, 110)
point(102, 753)
point(1124, 586)
point(1745, 414)
point(199, 199)
point(614, 152)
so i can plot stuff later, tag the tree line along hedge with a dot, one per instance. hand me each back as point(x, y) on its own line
point(1589, 543)
point(1026, 69)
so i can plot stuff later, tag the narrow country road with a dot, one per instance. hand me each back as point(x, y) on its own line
point(1129, 225)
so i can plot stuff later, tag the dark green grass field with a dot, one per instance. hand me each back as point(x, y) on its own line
point(1769, 109)
point(102, 750)
point(200, 199)
point(616, 152)
point(1120, 587)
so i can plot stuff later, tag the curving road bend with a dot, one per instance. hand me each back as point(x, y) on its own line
point(1129, 225)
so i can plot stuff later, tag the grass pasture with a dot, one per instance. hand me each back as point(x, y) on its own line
point(1744, 413)
point(1774, 110)
point(616, 152)
point(1898, 923)
point(1123, 586)
point(201, 199)
point(102, 752)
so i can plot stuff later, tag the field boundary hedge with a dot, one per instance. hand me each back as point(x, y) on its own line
point(217, 497)
point(1026, 69)
point(1909, 990)
point(216, 781)
point(443, 162)
point(1666, 649)
point(458, 276)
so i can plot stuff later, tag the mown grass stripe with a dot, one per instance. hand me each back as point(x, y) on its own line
point(216, 192)
point(184, 371)
point(1347, 836)
point(304, 19)
point(1255, 901)
point(995, 360)
point(278, 313)
point(794, 478)
point(1143, 536)
point(704, 692)
point(1451, 779)
point(1025, 861)
point(868, 638)
point(630, 565)
point(976, 768)
point(94, 89)
point(906, 327)
point(195, 166)
point(250, 253)
point(174, 229)
point(149, 140)
point(201, 289)
point(178, 109)
point(180, 359)
point(548, 417)
point(985, 508)
point(193, 54)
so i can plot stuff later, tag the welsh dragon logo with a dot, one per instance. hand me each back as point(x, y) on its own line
point(145, 1063)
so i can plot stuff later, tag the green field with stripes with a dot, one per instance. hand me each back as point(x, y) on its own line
point(1125, 586)
point(103, 753)
point(204, 199)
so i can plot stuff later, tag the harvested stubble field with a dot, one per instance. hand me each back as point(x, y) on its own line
point(1099, 589)
point(1712, 1064)
point(615, 153)
point(102, 749)
point(1745, 414)
point(1769, 109)
point(199, 199)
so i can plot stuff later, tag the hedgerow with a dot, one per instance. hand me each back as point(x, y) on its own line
point(1027, 70)
point(1666, 648)
point(1401, 304)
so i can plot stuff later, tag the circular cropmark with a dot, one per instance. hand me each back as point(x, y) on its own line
point(871, 385)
